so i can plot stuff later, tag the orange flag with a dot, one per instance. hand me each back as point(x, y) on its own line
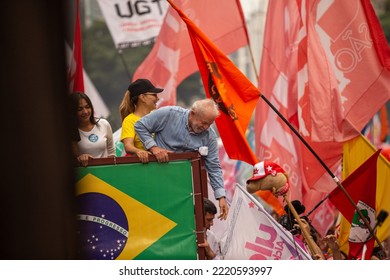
point(235, 95)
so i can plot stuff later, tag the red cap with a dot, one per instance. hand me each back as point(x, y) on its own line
point(265, 168)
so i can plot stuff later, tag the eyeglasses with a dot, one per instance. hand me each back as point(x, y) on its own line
point(148, 94)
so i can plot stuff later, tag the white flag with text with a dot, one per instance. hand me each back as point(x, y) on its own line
point(133, 23)
point(253, 234)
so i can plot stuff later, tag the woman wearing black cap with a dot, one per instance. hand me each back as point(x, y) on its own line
point(139, 100)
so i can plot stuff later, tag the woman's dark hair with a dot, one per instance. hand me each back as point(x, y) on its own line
point(74, 99)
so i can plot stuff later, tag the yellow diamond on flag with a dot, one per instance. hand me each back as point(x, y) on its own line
point(146, 226)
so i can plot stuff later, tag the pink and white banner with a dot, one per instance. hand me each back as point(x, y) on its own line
point(253, 234)
point(133, 23)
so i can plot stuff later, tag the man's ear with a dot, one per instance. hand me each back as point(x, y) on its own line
point(191, 114)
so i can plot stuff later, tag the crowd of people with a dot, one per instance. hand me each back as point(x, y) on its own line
point(147, 131)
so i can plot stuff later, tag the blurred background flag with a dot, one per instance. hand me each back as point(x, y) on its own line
point(313, 69)
point(75, 66)
point(133, 23)
point(171, 61)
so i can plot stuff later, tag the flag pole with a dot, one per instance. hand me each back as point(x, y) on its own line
point(335, 179)
point(248, 39)
point(317, 205)
point(380, 219)
point(120, 52)
point(253, 62)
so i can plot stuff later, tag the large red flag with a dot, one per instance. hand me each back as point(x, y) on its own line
point(280, 75)
point(361, 186)
point(341, 95)
point(75, 71)
point(235, 95)
point(172, 60)
point(314, 70)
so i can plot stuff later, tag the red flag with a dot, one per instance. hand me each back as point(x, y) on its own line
point(280, 75)
point(75, 71)
point(172, 60)
point(313, 69)
point(235, 95)
point(337, 53)
point(361, 186)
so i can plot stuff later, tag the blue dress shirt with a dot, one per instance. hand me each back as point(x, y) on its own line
point(171, 131)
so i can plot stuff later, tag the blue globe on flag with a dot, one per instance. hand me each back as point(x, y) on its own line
point(102, 227)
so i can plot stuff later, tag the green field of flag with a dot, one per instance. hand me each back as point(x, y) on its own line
point(136, 211)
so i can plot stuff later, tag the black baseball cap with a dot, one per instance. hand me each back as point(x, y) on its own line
point(142, 86)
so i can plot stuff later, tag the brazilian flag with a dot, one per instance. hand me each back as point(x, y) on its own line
point(136, 211)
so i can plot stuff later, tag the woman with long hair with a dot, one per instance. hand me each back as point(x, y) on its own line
point(96, 139)
point(139, 100)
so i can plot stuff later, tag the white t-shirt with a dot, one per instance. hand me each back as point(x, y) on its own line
point(98, 142)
